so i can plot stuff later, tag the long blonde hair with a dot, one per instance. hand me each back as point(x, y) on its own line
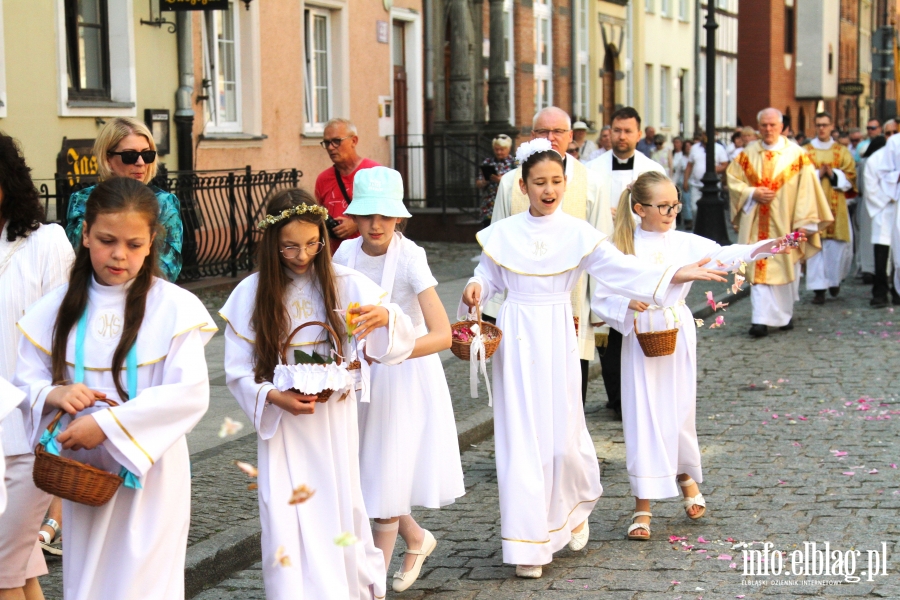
point(109, 137)
point(639, 192)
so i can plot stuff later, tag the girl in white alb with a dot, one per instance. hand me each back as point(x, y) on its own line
point(547, 467)
point(121, 334)
point(408, 448)
point(321, 547)
point(659, 393)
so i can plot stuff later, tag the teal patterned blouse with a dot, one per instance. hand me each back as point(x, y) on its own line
point(169, 218)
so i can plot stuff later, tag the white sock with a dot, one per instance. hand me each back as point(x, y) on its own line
point(385, 536)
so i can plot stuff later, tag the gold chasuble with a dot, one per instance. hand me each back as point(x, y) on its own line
point(838, 157)
point(799, 203)
point(574, 204)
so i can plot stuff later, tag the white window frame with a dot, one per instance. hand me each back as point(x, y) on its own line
point(665, 8)
point(309, 89)
point(582, 101)
point(683, 12)
point(212, 122)
point(648, 90)
point(665, 83)
point(122, 70)
point(543, 72)
point(650, 6)
point(510, 64)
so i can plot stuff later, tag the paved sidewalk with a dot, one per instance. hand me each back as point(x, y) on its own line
point(798, 432)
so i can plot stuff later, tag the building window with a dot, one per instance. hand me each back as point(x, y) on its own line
point(664, 84)
point(221, 46)
point(509, 55)
point(87, 49)
point(788, 29)
point(582, 62)
point(665, 8)
point(543, 53)
point(683, 10)
point(648, 90)
point(317, 28)
point(649, 5)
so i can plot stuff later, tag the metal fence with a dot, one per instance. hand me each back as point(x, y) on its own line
point(441, 169)
point(218, 210)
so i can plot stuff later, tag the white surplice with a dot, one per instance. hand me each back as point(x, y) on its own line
point(133, 547)
point(547, 467)
point(320, 450)
point(408, 446)
point(880, 204)
point(659, 394)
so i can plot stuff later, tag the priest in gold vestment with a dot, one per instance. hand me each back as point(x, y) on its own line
point(583, 199)
point(775, 190)
point(837, 174)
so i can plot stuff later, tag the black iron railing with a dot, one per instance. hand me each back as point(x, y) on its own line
point(219, 210)
point(440, 170)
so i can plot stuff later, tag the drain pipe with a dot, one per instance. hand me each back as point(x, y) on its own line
point(184, 106)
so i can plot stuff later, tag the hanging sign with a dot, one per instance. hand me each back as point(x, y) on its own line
point(851, 88)
point(182, 5)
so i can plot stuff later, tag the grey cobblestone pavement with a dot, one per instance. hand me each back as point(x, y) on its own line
point(798, 432)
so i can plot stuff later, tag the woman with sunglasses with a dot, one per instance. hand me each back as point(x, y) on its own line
point(125, 148)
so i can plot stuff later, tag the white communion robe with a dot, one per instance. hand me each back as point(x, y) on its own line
point(408, 445)
point(133, 547)
point(320, 450)
point(547, 468)
point(659, 395)
point(10, 397)
point(865, 255)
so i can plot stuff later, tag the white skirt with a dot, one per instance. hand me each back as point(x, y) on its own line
point(408, 446)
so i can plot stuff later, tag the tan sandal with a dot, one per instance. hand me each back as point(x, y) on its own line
point(402, 580)
point(644, 526)
point(690, 501)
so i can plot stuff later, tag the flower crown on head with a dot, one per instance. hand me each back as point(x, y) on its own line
point(300, 209)
point(527, 149)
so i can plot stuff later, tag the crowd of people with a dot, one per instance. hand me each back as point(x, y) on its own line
point(580, 252)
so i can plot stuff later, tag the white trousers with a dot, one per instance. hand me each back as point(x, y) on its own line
point(828, 268)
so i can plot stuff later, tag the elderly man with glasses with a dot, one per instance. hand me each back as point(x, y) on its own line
point(334, 185)
point(583, 199)
point(775, 190)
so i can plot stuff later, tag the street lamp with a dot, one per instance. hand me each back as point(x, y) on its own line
point(710, 218)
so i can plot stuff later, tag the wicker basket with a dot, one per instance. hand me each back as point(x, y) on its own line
point(657, 343)
point(324, 395)
point(70, 479)
point(461, 349)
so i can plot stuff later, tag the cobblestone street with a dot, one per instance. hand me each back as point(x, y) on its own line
point(798, 432)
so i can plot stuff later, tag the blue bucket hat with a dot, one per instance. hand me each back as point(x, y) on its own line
point(378, 191)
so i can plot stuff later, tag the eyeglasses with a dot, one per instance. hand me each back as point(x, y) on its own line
point(334, 142)
point(545, 133)
point(291, 252)
point(871, 127)
point(889, 133)
point(130, 157)
point(665, 209)
point(823, 125)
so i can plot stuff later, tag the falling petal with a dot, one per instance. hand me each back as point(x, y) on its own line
point(230, 427)
point(247, 468)
point(301, 494)
point(281, 558)
point(345, 539)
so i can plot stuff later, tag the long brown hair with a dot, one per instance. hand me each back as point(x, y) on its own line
point(640, 192)
point(270, 320)
point(117, 195)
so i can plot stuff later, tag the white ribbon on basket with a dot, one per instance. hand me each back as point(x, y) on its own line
point(476, 358)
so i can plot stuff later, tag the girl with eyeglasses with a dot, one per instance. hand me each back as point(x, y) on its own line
point(659, 394)
point(301, 442)
point(125, 148)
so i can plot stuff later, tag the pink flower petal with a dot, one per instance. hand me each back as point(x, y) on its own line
point(733, 566)
point(837, 453)
point(701, 551)
point(675, 538)
point(724, 557)
point(700, 540)
point(850, 473)
point(873, 472)
point(893, 466)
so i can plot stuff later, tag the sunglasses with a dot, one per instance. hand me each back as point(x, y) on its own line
point(871, 127)
point(130, 157)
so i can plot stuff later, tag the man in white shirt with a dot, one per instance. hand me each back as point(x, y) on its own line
point(583, 199)
point(696, 169)
point(616, 169)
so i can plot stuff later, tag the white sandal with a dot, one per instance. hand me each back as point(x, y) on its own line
point(644, 526)
point(579, 540)
point(402, 580)
point(697, 500)
point(529, 572)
